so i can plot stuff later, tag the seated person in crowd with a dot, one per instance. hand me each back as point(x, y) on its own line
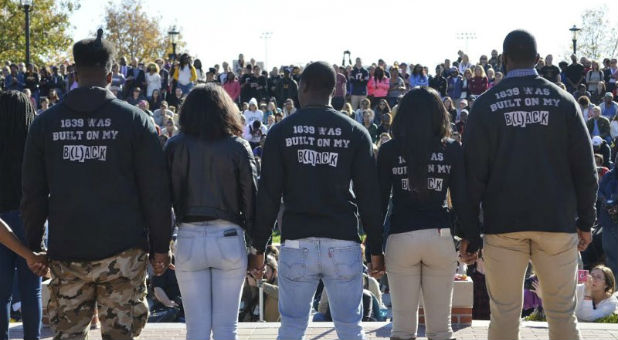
point(249, 310)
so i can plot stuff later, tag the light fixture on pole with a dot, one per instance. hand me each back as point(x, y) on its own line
point(466, 36)
point(266, 36)
point(173, 35)
point(27, 6)
point(574, 30)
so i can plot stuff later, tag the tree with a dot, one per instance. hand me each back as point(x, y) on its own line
point(133, 33)
point(49, 30)
point(597, 39)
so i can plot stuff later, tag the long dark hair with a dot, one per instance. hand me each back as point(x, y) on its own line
point(379, 73)
point(16, 115)
point(421, 123)
point(209, 113)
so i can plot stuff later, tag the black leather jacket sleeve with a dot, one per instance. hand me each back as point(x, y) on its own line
point(247, 182)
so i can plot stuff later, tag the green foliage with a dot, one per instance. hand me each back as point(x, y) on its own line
point(608, 319)
point(49, 30)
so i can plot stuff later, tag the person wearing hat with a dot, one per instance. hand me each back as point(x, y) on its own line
point(597, 124)
point(253, 113)
point(94, 168)
point(609, 108)
point(601, 147)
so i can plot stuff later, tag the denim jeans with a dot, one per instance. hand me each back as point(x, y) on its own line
point(610, 239)
point(29, 284)
point(302, 263)
point(211, 268)
point(185, 88)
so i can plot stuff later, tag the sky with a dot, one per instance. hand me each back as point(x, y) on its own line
point(424, 32)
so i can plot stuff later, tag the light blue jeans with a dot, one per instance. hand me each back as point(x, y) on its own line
point(211, 268)
point(338, 263)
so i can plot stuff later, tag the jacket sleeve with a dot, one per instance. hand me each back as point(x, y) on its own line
point(247, 182)
point(476, 156)
point(583, 168)
point(177, 163)
point(384, 179)
point(35, 190)
point(151, 177)
point(459, 197)
point(270, 190)
point(193, 74)
point(366, 189)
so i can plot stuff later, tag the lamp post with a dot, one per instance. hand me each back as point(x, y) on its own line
point(574, 30)
point(27, 6)
point(173, 35)
point(266, 36)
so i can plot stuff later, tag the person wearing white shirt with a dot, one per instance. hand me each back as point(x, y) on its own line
point(595, 299)
point(153, 79)
point(253, 113)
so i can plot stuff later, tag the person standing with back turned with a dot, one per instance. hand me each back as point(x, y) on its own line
point(529, 162)
point(94, 167)
point(322, 162)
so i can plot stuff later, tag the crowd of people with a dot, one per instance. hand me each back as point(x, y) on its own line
point(242, 121)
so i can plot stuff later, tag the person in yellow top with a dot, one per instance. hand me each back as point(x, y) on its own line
point(185, 74)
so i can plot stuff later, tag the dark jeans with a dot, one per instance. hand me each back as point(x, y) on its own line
point(29, 284)
point(610, 239)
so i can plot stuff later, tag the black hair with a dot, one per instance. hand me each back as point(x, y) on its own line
point(197, 64)
point(421, 124)
point(319, 77)
point(379, 73)
point(94, 53)
point(520, 47)
point(209, 113)
point(16, 115)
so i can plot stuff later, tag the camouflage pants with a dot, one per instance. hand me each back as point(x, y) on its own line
point(116, 285)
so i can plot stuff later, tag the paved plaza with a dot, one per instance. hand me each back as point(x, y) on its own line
point(325, 331)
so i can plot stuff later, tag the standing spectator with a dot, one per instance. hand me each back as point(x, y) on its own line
point(478, 83)
point(319, 236)
point(153, 79)
point(611, 75)
point(135, 78)
point(232, 86)
point(32, 80)
point(418, 77)
point(574, 74)
point(438, 82)
point(185, 74)
point(465, 84)
point(15, 80)
point(57, 83)
point(358, 83)
point(380, 85)
point(199, 71)
point(44, 82)
point(341, 88)
point(287, 88)
point(103, 229)
point(609, 108)
point(165, 77)
point(454, 84)
point(550, 71)
point(420, 250)
point(397, 87)
point(594, 76)
point(483, 63)
point(464, 64)
point(211, 257)
point(273, 80)
point(553, 167)
point(495, 61)
point(16, 116)
point(117, 81)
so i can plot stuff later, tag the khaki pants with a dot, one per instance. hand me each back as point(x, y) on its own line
point(116, 285)
point(355, 101)
point(554, 257)
point(422, 260)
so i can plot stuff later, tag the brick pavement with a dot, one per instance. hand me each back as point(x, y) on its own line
point(325, 331)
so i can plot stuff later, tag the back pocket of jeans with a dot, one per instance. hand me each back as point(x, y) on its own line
point(292, 263)
point(230, 248)
point(347, 262)
point(184, 251)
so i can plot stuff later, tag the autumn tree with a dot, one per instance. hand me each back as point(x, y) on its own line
point(133, 33)
point(49, 30)
point(597, 38)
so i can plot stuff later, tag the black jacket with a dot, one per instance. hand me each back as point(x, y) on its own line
point(529, 159)
point(438, 83)
point(446, 172)
point(94, 167)
point(215, 179)
point(311, 158)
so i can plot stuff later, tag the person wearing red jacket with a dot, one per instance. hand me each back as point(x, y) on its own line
point(232, 86)
point(478, 83)
point(379, 84)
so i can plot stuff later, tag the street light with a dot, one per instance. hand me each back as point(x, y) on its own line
point(266, 36)
point(27, 6)
point(467, 36)
point(173, 35)
point(574, 30)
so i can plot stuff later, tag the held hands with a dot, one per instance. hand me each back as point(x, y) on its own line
point(256, 266)
point(377, 268)
point(465, 256)
point(585, 237)
point(160, 262)
point(537, 289)
point(37, 263)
